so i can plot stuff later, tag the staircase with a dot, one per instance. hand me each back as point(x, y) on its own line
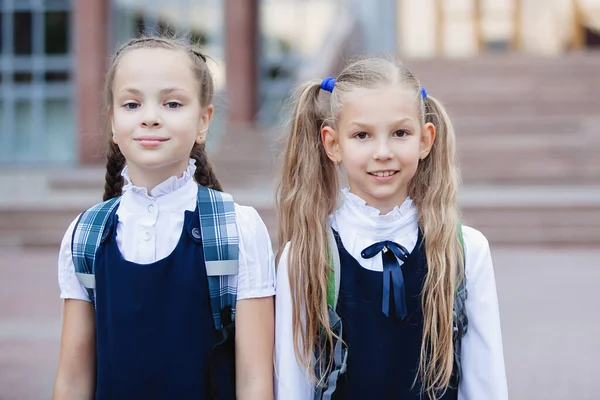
point(528, 132)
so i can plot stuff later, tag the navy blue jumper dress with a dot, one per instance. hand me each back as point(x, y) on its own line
point(383, 352)
point(154, 328)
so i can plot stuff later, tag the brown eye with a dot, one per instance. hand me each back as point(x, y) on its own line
point(361, 135)
point(400, 133)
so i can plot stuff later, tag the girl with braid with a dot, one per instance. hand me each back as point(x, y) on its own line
point(381, 293)
point(140, 323)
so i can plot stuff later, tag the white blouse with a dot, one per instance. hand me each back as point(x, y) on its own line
point(149, 228)
point(360, 226)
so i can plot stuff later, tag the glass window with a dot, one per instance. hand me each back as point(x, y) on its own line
point(56, 76)
point(24, 130)
point(4, 147)
point(57, 32)
point(199, 37)
point(1, 28)
point(56, 4)
point(58, 114)
point(22, 77)
point(22, 33)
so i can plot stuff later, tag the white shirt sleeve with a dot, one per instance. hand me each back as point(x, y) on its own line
point(483, 373)
point(256, 275)
point(291, 379)
point(69, 285)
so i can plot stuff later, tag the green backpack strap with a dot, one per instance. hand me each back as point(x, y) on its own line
point(334, 274)
point(461, 240)
point(459, 313)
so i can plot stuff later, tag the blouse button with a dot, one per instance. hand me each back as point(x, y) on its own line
point(147, 236)
point(151, 208)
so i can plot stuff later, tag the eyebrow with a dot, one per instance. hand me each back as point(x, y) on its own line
point(366, 125)
point(163, 91)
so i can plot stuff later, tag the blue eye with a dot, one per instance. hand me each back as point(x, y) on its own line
point(173, 105)
point(131, 106)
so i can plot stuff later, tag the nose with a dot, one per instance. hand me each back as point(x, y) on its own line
point(151, 118)
point(382, 150)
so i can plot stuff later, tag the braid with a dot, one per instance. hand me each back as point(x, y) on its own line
point(115, 162)
point(204, 175)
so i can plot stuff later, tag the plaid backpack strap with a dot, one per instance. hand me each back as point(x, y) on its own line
point(221, 252)
point(87, 236)
point(461, 322)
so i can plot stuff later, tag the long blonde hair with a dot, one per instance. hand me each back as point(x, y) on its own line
point(307, 195)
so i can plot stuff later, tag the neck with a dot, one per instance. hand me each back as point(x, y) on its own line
point(384, 205)
point(149, 178)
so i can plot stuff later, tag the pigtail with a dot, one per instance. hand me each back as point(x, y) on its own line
point(433, 189)
point(204, 174)
point(115, 162)
point(306, 196)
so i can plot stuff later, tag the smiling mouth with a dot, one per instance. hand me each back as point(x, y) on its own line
point(383, 174)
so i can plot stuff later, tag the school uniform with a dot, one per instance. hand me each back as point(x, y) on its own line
point(384, 351)
point(154, 327)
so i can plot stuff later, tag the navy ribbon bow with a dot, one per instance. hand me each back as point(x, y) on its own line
point(393, 280)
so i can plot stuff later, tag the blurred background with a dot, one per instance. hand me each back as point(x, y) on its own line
point(520, 78)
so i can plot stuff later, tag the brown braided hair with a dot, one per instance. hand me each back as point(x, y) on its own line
point(115, 161)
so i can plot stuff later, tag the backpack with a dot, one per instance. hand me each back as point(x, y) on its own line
point(219, 241)
point(340, 351)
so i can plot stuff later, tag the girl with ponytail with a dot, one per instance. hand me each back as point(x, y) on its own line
point(381, 292)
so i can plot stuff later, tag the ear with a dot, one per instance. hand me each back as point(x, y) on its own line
point(331, 143)
point(204, 123)
point(112, 124)
point(427, 139)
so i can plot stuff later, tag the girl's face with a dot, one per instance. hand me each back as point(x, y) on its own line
point(380, 141)
point(156, 114)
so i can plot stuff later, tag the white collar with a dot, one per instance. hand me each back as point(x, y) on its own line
point(355, 213)
point(170, 185)
point(170, 195)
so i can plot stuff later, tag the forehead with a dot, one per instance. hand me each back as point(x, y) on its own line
point(379, 104)
point(154, 67)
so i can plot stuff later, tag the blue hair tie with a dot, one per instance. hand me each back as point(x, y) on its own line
point(423, 93)
point(328, 84)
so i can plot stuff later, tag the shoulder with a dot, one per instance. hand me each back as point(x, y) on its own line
point(68, 237)
point(478, 259)
point(256, 274)
point(475, 241)
point(246, 215)
point(249, 222)
point(70, 288)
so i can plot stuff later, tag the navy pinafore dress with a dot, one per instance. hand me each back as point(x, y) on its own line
point(383, 352)
point(154, 328)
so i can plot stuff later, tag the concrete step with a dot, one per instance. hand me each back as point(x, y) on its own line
point(508, 215)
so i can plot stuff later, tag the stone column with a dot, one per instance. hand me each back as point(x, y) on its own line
point(90, 36)
point(241, 58)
